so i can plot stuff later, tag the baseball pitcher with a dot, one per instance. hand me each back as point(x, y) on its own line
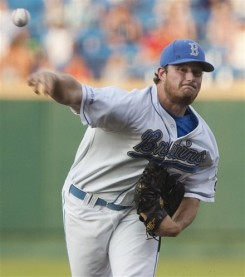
point(144, 164)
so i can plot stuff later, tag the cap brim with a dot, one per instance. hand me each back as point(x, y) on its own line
point(207, 67)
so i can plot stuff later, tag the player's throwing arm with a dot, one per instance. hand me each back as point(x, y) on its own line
point(63, 88)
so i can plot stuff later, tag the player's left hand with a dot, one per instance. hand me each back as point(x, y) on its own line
point(157, 196)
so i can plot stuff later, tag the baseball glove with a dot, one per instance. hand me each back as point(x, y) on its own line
point(157, 194)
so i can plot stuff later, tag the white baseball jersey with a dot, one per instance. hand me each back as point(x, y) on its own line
point(126, 129)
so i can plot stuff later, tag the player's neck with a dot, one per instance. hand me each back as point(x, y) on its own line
point(173, 108)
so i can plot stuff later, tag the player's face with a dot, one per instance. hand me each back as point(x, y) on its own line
point(183, 82)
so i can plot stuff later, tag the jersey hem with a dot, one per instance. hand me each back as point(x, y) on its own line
point(202, 198)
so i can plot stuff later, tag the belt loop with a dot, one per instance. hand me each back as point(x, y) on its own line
point(87, 198)
point(93, 201)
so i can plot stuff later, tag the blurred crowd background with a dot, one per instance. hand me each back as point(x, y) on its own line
point(119, 40)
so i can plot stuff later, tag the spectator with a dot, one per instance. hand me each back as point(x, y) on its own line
point(7, 28)
point(58, 44)
point(176, 20)
point(121, 28)
point(18, 62)
point(118, 62)
point(78, 67)
point(200, 10)
point(236, 57)
point(219, 29)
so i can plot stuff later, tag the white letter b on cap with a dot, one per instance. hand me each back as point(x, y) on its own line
point(194, 49)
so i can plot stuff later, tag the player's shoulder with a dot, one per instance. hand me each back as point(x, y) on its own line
point(135, 91)
point(137, 94)
point(133, 98)
point(148, 92)
point(118, 90)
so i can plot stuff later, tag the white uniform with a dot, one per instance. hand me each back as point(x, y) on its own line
point(126, 129)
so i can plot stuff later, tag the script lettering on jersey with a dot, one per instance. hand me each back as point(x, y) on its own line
point(179, 154)
point(185, 153)
point(151, 144)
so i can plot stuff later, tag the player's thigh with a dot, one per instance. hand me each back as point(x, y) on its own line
point(86, 238)
point(130, 252)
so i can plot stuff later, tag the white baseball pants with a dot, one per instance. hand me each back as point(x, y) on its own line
point(104, 243)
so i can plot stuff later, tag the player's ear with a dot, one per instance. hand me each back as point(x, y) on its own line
point(161, 72)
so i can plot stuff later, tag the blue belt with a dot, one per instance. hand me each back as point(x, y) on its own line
point(101, 202)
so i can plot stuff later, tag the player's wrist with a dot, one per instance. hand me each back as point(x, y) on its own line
point(168, 228)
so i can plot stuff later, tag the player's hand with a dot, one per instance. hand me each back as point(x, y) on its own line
point(47, 83)
point(63, 88)
point(43, 82)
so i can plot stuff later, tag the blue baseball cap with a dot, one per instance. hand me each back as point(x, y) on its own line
point(184, 51)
